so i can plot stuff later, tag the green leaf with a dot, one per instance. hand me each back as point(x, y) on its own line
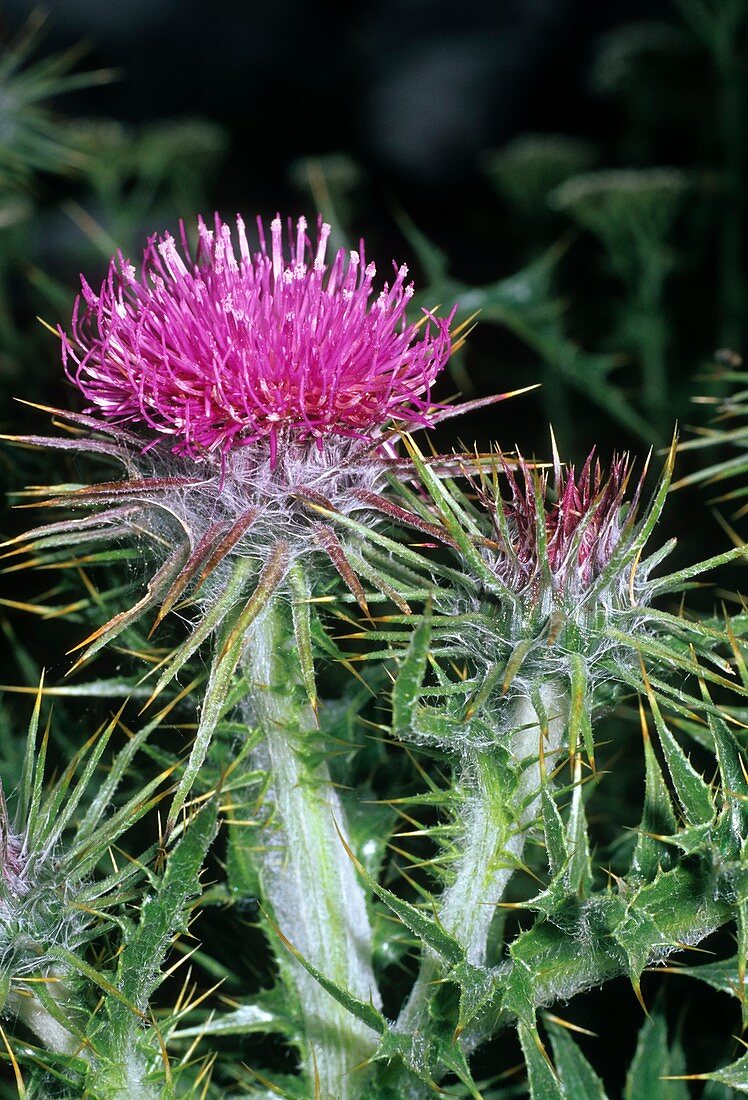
point(579, 874)
point(362, 1010)
point(302, 626)
point(734, 1076)
point(651, 1063)
point(223, 666)
point(724, 975)
point(732, 771)
point(544, 1084)
point(579, 1080)
point(406, 692)
point(674, 581)
point(428, 929)
point(742, 956)
point(553, 830)
point(164, 912)
point(580, 724)
point(658, 818)
point(26, 791)
point(263, 1015)
point(691, 790)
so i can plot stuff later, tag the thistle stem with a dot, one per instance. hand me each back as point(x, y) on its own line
point(308, 880)
point(30, 1009)
point(495, 824)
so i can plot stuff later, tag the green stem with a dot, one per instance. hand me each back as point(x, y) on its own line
point(30, 1009)
point(307, 879)
point(493, 840)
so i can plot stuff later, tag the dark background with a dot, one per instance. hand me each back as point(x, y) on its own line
point(413, 89)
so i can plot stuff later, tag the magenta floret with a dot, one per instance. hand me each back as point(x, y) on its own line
point(217, 352)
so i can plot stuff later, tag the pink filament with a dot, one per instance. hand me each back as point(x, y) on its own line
point(217, 351)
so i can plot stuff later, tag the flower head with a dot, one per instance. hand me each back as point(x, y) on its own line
point(564, 543)
point(221, 351)
point(556, 598)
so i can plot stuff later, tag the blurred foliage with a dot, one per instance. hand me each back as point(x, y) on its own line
point(74, 190)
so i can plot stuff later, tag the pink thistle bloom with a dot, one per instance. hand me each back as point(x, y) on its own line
point(219, 351)
point(569, 542)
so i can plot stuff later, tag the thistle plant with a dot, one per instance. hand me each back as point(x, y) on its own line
point(260, 409)
point(508, 675)
point(233, 457)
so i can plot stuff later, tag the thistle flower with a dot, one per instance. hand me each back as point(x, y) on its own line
point(217, 352)
point(255, 390)
point(564, 557)
point(37, 906)
point(13, 859)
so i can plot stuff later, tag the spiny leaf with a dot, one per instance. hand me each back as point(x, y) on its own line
point(363, 1011)
point(734, 1076)
point(732, 771)
point(544, 1083)
point(263, 1015)
point(207, 625)
point(723, 975)
point(580, 1082)
point(651, 1063)
point(164, 912)
point(406, 691)
point(742, 956)
point(223, 666)
point(302, 627)
point(691, 790)
point(580, 725)
point(658, 818)
point(428, 929)
point(112, 629)
point(579, 875)
point(553, 832)
point(674, 581)
point(27, 776)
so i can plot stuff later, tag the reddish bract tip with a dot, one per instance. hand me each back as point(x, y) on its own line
point(219, 351)
point(572, 538)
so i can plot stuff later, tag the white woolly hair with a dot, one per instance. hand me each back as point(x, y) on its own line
point(246, 481)
point(40, 912)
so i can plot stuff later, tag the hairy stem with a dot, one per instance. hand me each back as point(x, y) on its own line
point(30, 1009)
point(307, 878)
point(492, 843)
